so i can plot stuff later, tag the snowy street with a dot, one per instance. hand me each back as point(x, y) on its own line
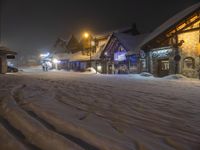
point(76, 111)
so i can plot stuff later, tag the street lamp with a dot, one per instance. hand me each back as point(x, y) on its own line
point(88, 36)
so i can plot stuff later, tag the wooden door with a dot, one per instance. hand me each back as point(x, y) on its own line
point(163, 67)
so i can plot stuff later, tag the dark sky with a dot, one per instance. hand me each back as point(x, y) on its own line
point(31, 25)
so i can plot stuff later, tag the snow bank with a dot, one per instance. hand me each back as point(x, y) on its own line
point(146, 74)
point(90, 70)
point(175, 77)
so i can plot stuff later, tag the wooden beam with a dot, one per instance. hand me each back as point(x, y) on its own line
point(190, 30)
point(189, 24)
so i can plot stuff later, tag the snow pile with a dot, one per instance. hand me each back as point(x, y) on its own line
point(146, 74)
point(175, 77)
point(90, 70)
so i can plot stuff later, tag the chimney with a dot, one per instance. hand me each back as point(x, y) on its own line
point(134, 30)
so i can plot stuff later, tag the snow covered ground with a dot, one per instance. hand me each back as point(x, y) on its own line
point(76, 111)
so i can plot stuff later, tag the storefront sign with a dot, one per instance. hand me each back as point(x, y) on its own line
point(162, 53)
point(120, 56)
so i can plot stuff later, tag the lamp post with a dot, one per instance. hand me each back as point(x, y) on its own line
point(88, 36)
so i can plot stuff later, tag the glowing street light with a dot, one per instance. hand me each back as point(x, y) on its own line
point(86, 35)
point(44, 55)
point(55, 61)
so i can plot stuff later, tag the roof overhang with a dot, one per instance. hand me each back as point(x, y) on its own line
point(170, 23)
point(6, 51)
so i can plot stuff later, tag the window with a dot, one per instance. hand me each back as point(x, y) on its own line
point(164, 65)
point(188, 63)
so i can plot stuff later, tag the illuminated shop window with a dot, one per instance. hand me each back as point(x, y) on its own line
point(165, 65)
point(143, 63)
point(188, 63)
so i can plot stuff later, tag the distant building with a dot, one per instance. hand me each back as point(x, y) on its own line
point(78, 56)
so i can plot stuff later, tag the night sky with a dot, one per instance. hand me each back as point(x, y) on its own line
point(34, 25)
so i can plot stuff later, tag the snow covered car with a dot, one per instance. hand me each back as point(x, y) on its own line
point(12, 69)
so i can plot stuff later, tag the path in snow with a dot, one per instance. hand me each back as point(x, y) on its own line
point(60, 110)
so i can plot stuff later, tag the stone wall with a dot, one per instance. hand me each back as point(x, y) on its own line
point(189, 50)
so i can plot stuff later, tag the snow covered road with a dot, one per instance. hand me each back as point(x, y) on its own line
point(62, 110)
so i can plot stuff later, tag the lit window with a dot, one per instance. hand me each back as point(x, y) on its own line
point(188, 63)
point(164, 65)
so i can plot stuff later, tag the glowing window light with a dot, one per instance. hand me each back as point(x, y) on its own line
point(99, 68)
point(44, 55)
point(56, 61)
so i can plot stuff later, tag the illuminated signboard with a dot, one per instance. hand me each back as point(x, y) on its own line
point(162, 53)
point(120, 56)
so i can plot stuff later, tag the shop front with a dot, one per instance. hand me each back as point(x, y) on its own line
point(190, 53)
point(174, 47)
point(162, 62)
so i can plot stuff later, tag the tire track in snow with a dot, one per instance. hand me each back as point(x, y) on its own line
point(17, 134)
point(73, 139)
point(76, 140)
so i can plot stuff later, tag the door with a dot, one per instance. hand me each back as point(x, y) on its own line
point(163, 67)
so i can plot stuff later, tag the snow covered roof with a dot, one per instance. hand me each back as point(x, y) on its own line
point(129, 42)
point(62, 56)
point(7, 51)
point(78, 56)
point(169, 23)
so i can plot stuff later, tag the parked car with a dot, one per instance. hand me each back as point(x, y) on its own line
point(12, 69)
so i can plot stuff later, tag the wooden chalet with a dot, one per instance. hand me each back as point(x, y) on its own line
point(80, 55)
point(114, 60)
point(174, 47)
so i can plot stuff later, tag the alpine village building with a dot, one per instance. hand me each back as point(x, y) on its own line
point(172, 48)
point(78, 56)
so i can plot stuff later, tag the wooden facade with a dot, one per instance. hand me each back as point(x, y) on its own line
point(81, 55)
point(174, 47)
point(114, 56)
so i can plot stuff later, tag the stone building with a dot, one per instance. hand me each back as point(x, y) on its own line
point(174, 47)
